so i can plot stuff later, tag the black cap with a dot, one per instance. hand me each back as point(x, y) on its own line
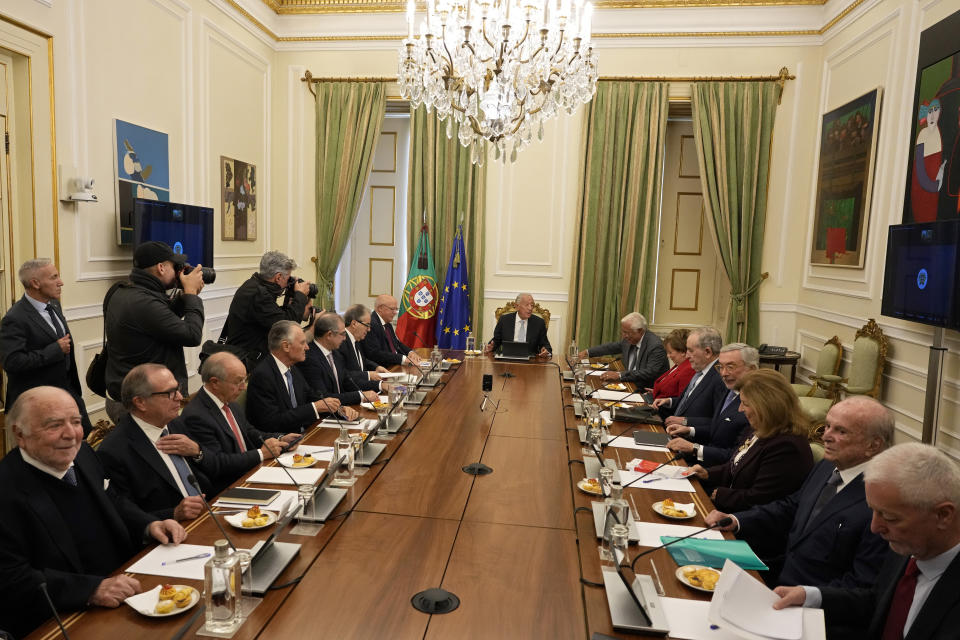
point(155, 252)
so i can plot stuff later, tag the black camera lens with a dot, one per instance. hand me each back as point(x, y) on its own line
point(209, 275)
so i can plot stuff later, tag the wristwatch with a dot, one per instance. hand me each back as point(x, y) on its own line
point(198, 457)
point(696, 450)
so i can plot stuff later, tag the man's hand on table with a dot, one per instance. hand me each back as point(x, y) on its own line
point(349, 413)
point(113, 591)
point(659, 402)
point(699, 471)
point(674, 429)
point(716, 516)
point(680, 445)
point(790, 597)
point(167, 531)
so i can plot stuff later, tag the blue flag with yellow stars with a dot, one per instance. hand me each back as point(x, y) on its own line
point(454, 318)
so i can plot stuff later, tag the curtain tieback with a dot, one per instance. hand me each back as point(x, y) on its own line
point(740, 299)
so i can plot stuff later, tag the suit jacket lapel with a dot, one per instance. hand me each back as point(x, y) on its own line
point(748, 457)
point(94, 480)
point(281, 384)
point(850, 495)
point(40, 320)
point(146, 450)
point(214, 410)
point(938, 604)
point(47, 512)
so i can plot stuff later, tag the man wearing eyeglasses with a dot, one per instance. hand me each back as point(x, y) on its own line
point(323, 366)
point(359, 366)
point(148, 456)
point(706, 391)
point(383, 345)
point(711, 440)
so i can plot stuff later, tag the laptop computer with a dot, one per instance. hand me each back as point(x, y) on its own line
point(510, 350)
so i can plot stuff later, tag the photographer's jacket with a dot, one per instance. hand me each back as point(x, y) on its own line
point(144, 325)
point(253, 311)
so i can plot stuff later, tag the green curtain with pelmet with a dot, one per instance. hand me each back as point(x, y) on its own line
point(445, 190)
point(733, 127)
point(615, 271)
point(348, 120)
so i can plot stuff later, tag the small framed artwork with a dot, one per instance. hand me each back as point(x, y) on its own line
point(238, 190)
point(848, 149)
point(142, 161)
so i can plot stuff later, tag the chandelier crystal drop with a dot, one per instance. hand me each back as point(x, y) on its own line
point(495, 70)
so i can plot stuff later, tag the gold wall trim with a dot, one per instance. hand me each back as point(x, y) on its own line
point(31, 29)
point(53, 157)
point(259, 25)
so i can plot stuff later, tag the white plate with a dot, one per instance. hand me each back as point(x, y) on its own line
point(287, 461)
point(658, 507)
point(474, 352)
point(583, 486)
point(194, 599)
point(682, 578)
point(236, 520)
point(615, 386)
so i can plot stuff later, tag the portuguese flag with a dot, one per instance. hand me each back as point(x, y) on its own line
point(418, 304)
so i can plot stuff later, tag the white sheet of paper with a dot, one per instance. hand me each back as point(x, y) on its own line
point(627, 442)
point(648, 533)
point(744, 605)
point(655, 482)
point(687, 620)
point(320, 453)
point(666, 471)
point(597, 372)
point(606, 394)
point(281, 499)
point(276, 475)
point(392, 374)
point(152, 563)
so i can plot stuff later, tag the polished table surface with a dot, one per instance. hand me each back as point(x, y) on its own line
point(511, 545)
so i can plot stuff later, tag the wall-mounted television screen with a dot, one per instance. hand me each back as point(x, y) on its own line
point(920, 280)
point(185, 227)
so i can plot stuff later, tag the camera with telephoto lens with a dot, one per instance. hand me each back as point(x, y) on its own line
point(209, 274)
point(291, 289)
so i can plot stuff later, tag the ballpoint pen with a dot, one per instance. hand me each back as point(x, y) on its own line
point(651, 480)
point(196, 557)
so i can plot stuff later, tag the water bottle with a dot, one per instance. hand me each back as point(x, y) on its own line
point(221, 589)
point(616, 504)
point(574, 351)
point(343, 448)
point(471, 344)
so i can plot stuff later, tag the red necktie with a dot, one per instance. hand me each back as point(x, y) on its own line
point(388, 329)
point(902, 599)
point(233, 427)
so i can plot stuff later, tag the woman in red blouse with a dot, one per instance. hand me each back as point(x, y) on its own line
point(673, 382)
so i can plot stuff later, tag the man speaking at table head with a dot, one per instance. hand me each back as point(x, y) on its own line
point(820, 535)
point(64, 526)
point(644, 358)
point(914, 492)
point(215, 421)
point(522, 326)
point(147, 455)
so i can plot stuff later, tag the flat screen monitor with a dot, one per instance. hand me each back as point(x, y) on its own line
point(920, 280)
point(185, 227)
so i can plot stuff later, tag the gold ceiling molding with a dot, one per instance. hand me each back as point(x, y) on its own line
point(319, 7)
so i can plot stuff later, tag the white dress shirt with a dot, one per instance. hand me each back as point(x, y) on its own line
point(217, 401)
point(283, 374)
point(153, 434)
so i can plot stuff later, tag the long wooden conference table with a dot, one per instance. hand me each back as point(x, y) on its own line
point(512, 545)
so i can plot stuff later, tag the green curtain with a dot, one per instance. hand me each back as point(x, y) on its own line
point(619, 209)
point(446, 189)
point(733, 128)
point(348, 120)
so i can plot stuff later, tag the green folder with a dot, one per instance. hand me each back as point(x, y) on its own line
point(712, 553)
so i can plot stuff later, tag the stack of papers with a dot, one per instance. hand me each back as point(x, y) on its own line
point(649, 534)
point(627, 442)
point(665, 471)
point(688, 620)
point(606, 394)
point(276, 475)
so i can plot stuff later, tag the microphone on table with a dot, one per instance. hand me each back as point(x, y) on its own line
point(662, 464)
point(192, 479)
point(53, 609)
point(723, 522)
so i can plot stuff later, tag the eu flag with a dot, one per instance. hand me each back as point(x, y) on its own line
point(454, 323)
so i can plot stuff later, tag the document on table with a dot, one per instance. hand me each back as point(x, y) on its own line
point(606, 394)
point(744, 606)
point(392, 374)
point(276, 475)
point(627, 442)
point(279, 501)
point(152, 563)
point(688, 620)
point(656, 482)
point(648, 533)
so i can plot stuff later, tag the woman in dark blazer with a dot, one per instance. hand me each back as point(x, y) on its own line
point(672, 383)
point(775, 460)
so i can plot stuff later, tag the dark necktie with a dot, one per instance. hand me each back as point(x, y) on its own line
point(388, 329)
point(293, 396)
point(826, 494)
point(356, 349)
point(71, 477)
point(687, 392)
point(56, 321)
point(183, 470)
point(333, 369)
point(900, 605)
point(632, 358)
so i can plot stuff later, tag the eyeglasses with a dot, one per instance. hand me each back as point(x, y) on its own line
point(727, 368)
point(171, 393)
point(366, 324)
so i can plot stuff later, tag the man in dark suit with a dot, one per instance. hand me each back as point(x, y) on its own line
point(323, 365)
point(711, 440)
point(147, 455)
point(641, 351)
point(65, 524)
point(522, 326)
point(820, 535)
point(382, 344)
point(278, 395)
point(706, 392)
point(213, 419)
point(914, 492)
point(359, 367)
point(35, 344)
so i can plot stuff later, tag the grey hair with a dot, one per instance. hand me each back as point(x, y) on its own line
point(521, 296)
point(708, 338)
point(875, 418)
point(749, 355)
point(635, 320)
point(354, 313)
point(216, 366)
point(274, 262)
point(21, 413)
point(136, 384)
point(325, 323)
point(280, 331)
point(923, 475)
point(29, 268)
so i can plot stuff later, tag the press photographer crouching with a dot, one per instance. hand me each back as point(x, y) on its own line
point(255, 307)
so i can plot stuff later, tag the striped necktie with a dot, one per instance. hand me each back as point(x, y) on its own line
point(183, 469)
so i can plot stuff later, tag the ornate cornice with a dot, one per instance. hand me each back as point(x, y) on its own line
point(316, 7)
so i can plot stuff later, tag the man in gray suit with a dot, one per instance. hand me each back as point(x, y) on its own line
point(644, 358)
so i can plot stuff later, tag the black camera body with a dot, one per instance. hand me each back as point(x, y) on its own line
point(209, 274)
point(291, 289)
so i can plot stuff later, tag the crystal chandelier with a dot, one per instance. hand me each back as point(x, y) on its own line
point(498, 68)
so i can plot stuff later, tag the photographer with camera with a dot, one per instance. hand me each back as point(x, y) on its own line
point(143, 324)
point(254, 308)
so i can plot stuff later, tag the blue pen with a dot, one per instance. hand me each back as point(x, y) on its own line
point(196, 557)
point(651, 480)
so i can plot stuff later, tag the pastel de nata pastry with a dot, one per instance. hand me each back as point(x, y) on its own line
point(253, 512)
point(164, 606)
point(166, 592)
point(182, 597)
